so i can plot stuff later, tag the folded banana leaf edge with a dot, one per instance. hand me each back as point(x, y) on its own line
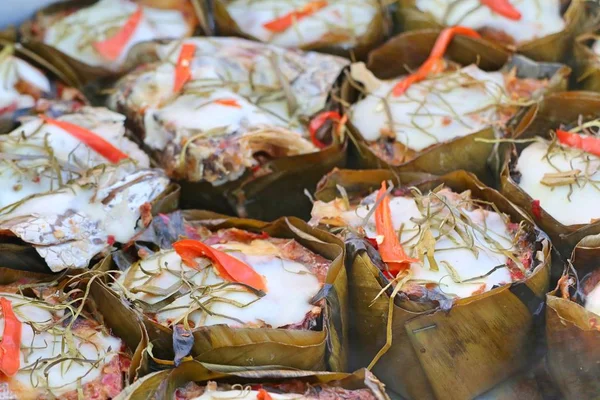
point(434, 349)
point(163, 384)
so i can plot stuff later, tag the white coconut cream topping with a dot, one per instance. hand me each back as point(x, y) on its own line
point(69, 226)
point(538, 18)
point(271, 85)
point(592, 300)
point(464, 255)
point(75, 34)
point(191, 114)
point(288, 282)
point(569, 204)
point(343, 19)
point(436, 110)
point(43, 157)
point(49, 357)
point(13, 70)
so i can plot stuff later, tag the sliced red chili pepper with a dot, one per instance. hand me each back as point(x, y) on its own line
point(589, 144)
point(228, 103)
point(10, 346)
point(95, 142)
point(317, 122)
point(536, 209)
point(282, 23)
point(263, 395)
point(183, 72)
point(390, 248)
point(112, 47)
point(434, 63)
point(228, 267)
point(502, 7)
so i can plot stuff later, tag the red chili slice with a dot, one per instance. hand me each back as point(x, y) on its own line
point(228, 103)
point(434, 63)
point(112, 47)
point(282, 23)
point(90, 139)
point(183, 72)
point(502, 7)
point(228, 267)
point(390, 248)
point(536, 209)
point(10, 346)
point(589, 144)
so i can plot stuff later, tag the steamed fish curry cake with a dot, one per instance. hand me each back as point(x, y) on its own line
point(231, 277)
point(511, 22)
point(436, 243)
point(440, 102)
point(53, 349)
point(293, 389)
point(213, 109)
point(304, 23)
point(102, 34)
point(561, 173)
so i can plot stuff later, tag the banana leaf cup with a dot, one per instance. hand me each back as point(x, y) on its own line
point(252, 128)
point(460, 147)
point(572, 328)
point(562, 222)
point(171, 383)
point(77, 224)
point(71, 47)
point(552, 47)
point(428, 347)
point(318, 342)
point(75, 341)
point(32, 86)
point(335, 33)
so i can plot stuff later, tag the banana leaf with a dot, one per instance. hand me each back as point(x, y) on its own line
point(377, 31)
point(554, 110)
point(439, 354)
point(163, 384)
point(407, 52)
point(551, 48)
point(121, 321)
point(323, 349)
point(586, 63)
point(17, 255)
point(572, 332)
point(79, 73)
